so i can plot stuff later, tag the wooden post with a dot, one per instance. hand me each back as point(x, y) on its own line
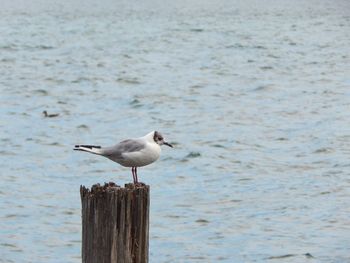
point(115, 223)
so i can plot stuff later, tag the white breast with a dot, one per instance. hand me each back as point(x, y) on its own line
point(146, 156)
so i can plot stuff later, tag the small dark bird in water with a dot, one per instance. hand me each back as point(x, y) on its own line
point(50, 115)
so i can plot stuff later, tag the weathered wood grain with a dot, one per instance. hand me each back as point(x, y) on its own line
point(115, 223)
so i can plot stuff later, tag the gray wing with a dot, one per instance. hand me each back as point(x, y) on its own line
point(116, 151)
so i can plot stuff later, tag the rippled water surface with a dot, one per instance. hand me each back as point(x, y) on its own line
point(255, 95)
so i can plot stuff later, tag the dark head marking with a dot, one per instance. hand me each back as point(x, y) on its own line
point(157, 137)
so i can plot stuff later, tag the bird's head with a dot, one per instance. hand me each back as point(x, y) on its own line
point(159, 139)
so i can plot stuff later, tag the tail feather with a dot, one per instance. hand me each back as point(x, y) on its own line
point(88, 148)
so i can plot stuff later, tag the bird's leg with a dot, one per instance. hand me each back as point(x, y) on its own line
point(133, 173)
point(137, 180)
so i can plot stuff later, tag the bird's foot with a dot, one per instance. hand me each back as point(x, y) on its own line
point(139, 184)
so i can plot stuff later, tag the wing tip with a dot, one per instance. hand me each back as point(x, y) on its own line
point(88, 146)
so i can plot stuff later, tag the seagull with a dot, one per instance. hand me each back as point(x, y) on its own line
point(131, 152)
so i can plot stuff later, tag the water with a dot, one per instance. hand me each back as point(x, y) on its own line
point(255, 96)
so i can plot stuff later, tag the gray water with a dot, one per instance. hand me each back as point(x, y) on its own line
point(255, 95)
